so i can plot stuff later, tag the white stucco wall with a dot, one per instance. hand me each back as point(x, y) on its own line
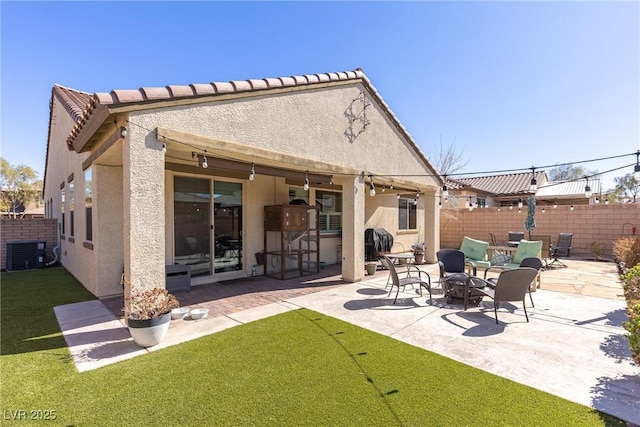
point(307, 124)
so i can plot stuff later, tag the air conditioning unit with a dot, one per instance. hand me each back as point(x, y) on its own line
point(25, 254)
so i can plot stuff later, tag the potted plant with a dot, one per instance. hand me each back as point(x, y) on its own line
point(418, 252)
point(149, 314)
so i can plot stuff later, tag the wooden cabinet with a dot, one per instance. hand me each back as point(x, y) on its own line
point(291, 241)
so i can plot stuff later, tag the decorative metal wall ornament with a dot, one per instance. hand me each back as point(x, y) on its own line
point(356, 114)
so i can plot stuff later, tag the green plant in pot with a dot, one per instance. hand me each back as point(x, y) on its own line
point(149, 314)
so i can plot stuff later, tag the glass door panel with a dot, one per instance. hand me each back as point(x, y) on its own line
point(227, 221)
point(192, 224)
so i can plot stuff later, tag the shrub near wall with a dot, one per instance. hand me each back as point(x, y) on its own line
point(27, 229)
point(631, 280)
point(588, 223)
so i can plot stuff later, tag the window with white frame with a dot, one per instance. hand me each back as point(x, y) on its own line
point(88, 200)
point(71, 208)
point(63, 198)
point(330, 203)
point(407, 214)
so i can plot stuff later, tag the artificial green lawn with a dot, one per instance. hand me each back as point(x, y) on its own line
point(299, 368)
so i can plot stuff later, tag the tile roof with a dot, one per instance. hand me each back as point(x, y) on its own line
point(508, 184)
point(74, 101)
point(121, 97)
point(82, 109)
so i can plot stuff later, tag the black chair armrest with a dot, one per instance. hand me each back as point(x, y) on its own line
point(493, 267)
point(474, 267)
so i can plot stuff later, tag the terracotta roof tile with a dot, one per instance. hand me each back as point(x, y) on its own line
point(179, 91)
point(288, 81)
point(257, 84)
point(273, 82)
point(323, 77)
point(241, 85)
point(312, 78)
point(223, 87)
point(74, 101)
point(203, 89)
point(153, 93)
point(124, 96)
point(300, 80)
point(105, 98)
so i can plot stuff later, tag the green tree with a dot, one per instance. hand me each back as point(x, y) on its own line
point(19, 186)
point(627, 186)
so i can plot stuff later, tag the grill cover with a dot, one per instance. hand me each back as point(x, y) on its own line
point(376, 241)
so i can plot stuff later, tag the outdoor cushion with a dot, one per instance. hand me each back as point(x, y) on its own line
point(500, 258)
point(527, 249)
point(474, 249)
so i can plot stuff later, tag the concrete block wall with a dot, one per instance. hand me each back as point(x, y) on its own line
point(588, 223)
point(27, 229)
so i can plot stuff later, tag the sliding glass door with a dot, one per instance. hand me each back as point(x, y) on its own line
point(208, 221)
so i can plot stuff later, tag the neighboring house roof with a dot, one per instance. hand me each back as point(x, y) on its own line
point(90, 112)
point(568, 189)
point(504, 185)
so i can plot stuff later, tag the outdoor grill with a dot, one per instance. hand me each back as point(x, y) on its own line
point(377, 242)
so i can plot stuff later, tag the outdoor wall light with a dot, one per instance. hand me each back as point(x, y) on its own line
point(252, 174)
point(306, 181)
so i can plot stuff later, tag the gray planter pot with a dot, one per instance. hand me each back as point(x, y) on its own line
point(147, 333)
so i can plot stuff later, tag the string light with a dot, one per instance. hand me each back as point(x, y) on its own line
point(252, 174)
point(306, 181)
point(543, 210)
point(398, 196)
point(519, 203)
point(636, 168)
point(606, 200)
point(205, 163)
point(587, 189)
point(555, 204)
point(372, 188)
point(445, 191)
point(534, 182)
point(571, 207)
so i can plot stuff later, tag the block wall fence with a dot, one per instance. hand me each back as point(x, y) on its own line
point(27, 229)
point(588, 223)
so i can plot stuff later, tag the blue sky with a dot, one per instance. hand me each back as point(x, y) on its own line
point(516, 84)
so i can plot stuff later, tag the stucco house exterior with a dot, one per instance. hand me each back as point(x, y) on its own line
point(145, 178)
